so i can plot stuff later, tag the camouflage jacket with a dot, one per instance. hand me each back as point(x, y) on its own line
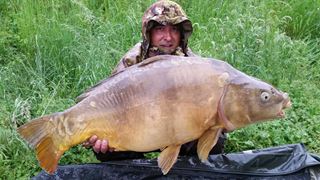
point(133, 56)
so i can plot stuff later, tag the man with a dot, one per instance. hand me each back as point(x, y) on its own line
point(165, 30)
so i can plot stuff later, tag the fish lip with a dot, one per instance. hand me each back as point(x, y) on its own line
point(281, 114)
point(286, 104)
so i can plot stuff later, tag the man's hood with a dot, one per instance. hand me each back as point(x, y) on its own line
point(165, 12)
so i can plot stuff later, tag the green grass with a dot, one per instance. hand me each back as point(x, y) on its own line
point(51, 51)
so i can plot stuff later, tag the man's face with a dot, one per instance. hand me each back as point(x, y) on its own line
point(165, 37)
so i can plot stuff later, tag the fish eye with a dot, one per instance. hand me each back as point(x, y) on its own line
point(265, 96)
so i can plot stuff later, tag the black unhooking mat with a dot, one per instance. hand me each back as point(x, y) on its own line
point(283, 162)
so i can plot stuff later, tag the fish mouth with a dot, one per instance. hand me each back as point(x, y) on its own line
point(281, 114)
point(286, 104)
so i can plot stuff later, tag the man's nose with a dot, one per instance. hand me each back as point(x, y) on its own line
point(167, 35)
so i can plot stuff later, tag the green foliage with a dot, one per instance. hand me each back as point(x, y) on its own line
point(300, 19)
point(151, 155)
point(51, 51)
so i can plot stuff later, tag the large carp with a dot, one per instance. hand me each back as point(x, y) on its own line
point(161, 103)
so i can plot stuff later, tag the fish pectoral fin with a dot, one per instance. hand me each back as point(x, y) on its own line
point(206, 142)
point(168, 157)
point(161, 149)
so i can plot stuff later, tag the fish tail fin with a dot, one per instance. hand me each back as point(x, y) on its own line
point(40, 135)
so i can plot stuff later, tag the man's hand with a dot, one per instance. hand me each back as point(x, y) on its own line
point(99, 146)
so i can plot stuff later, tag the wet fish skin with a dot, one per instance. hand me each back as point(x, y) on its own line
point(160, 103)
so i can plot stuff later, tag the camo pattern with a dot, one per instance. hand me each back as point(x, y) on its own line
point(162, 12)
point(165, 12)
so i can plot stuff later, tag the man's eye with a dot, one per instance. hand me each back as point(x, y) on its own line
point(159, 28)
point(175, 28)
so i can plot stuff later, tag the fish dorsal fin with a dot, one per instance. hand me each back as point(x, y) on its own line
point(87, 93)
point(145, 62)
point(206, 142)
point(152, 59)
point(168, 157)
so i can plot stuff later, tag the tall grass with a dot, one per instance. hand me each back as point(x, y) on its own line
point(51, 51)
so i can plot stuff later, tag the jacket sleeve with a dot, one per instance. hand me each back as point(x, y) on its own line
point(133, 56)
